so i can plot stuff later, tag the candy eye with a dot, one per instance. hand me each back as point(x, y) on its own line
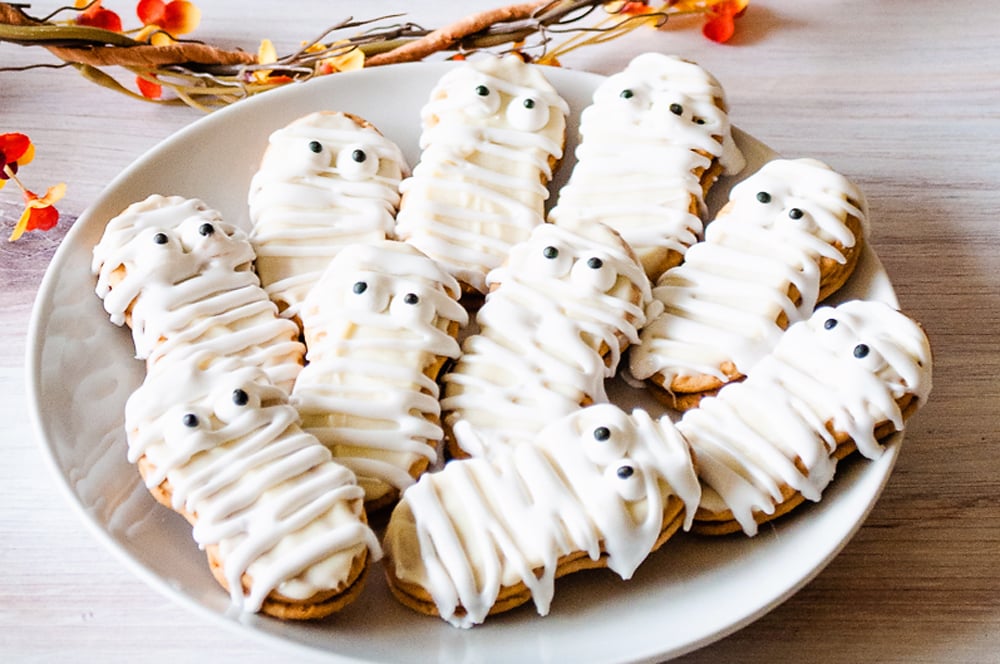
point(699, 121)
point(478, 100)
point(830, 323)
point(677, 109)
point(527, 114)
point(626, 94)
point(315, 147)
point(355, 163)
point(411, 308)
point(231, 403)
point(861, 351)
point(550, 261)
point(367, 296)
point(795, 213)
point(626, 479)
point(594, 273)
point(605, 444)
point(763, 197)
point(190, 420)
point(206, 230)
point(160, 238)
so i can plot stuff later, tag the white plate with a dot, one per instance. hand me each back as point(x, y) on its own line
point(81, 370)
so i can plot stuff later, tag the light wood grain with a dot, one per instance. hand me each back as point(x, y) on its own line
point(903, 97)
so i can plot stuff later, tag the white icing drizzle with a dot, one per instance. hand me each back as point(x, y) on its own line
point(189, 288)
point(847, 374)
point(480, 184)
point(641, 146)
point(480, 525)
point(364, 392)
point(724, 301)
point(268, 495)
point(538, 354)
point(326, 180)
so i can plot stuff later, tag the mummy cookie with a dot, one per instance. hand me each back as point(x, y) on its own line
point(562, 309)
point(790, 236)
point(326, 180)
point(281, 523)
point(183, 280)
point(598, 488)
point(652, 143)
point(843, 380)
point(380, 325)
point(493, 131)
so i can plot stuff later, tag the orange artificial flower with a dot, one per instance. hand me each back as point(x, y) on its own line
point(349, 60)
point(721, 23)
point(15, 150)
point(39, 213)
point(177, 17)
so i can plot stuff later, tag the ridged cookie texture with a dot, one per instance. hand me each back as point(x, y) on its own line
point(380, 325)
point(326, 180)
point(843, 380)
point(493, 131)
point(282, 524)
point(182, 278)
point(598, 488)
point(790, 235)
point(652, 143)
point(561, 311)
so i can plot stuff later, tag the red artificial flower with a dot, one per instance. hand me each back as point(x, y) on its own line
point(39, 211)
point(148, 89)
point(721, 23)
point(97, 16)
point(15, 150)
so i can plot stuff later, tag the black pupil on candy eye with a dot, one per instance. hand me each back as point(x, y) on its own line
point(482, 91)
point(359, 156)
point(764, 197)
point(830, 323)
point(206, 229)
point(699, 121)
point(626, 94)
point(676, 109)
point(160, 238)
point(795, 213)
point(625, 472)
point(315, 146)
point(411, 298)
point(602, 433)
point(360, 287)
point(190, 420)
point(861, 350)
point(550, 252)
point(595, 263)
point(529, 104)
point(240, 397)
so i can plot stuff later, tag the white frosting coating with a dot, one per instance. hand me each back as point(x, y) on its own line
point(480, 525)
point(491, 131)
point(550, 333)
point(844, 377)
point(268, 495)
point(365, 392)
point(723, 303)
point(326, 180)
point(189, 288)
point(648, 131)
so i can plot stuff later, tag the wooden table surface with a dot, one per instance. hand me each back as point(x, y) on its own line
point(904, 97)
